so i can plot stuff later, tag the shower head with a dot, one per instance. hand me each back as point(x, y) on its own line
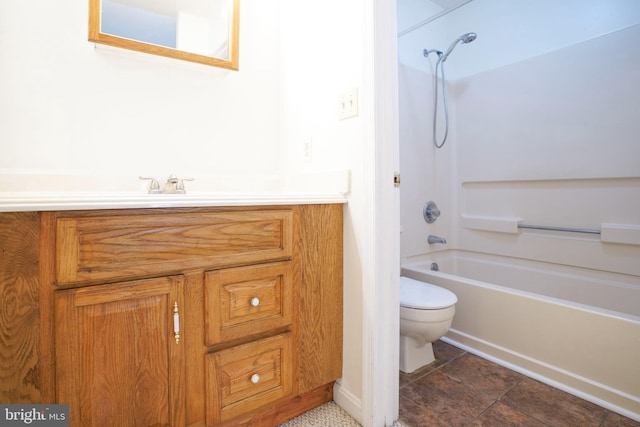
point(468, 37)
point(465, 38)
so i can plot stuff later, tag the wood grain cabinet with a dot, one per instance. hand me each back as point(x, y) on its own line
point(173, 317)
point(118, 353)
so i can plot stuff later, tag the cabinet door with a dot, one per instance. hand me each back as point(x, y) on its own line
point(118, 360)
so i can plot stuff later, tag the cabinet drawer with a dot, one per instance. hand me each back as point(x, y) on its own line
point(92, 248)
point(247, 300)
point(244, 378)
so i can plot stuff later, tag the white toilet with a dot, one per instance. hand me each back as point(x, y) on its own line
point(426, 313)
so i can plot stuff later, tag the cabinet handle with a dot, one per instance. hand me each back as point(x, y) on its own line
point(255, 301)
point(255, 379)
point(176, 322)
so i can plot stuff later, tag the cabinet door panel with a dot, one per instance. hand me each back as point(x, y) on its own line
point(22, 371)
point(320, 298)
point(118, 362)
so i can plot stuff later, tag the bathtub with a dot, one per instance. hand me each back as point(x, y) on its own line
point(573, 328)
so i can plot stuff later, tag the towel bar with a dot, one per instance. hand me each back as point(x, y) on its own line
point(566, 229)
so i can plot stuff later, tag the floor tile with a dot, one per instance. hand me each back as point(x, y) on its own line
point(418, 373)
point(446, 352)
point(617, 420)
point(553, 406)
point(501, 415)
point(412, 414)
point(481, 375)
point(461, 389)
point(441, 400)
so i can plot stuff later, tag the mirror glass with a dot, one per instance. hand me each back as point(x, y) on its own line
point(203, 31)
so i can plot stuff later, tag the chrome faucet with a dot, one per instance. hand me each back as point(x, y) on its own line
point(172, 186)
point(435, 239)
point(175, 185)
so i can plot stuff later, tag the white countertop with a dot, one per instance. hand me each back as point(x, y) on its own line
point(35, 191)
point(80, 201)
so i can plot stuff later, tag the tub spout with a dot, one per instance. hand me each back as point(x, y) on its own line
point(435, 239)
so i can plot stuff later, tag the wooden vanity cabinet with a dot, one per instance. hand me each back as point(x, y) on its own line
point(190, 316)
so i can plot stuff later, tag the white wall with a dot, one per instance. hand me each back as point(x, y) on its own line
point(68, 105)
point(567, 114)
point(322, 57)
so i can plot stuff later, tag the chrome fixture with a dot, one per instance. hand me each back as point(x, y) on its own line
point(154, 186)
point(564, 229)
point(465, 38)
point(430, 212)
point(180, 188)
point(442, 57)
point(435, 239)
point(174, 185)
point(171, 186)
point(434, 266)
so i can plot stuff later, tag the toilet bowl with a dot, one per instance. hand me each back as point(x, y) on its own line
point(426, 313)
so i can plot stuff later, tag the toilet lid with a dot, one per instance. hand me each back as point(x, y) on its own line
point(425, 296)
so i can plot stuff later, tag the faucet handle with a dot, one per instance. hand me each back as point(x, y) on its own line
point(180, 187)
point(154, 185)
point(430, 212)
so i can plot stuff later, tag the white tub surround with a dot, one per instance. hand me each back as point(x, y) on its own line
point(37, 191)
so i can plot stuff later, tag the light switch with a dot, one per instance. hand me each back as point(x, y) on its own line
point(349, 104)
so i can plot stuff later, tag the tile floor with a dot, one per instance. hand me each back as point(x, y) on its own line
point(461, 389)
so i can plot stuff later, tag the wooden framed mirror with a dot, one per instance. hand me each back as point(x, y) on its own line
point(203, 31)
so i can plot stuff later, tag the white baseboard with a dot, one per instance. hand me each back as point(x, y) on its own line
point(347, 401)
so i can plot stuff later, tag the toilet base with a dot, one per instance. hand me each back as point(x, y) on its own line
point(413, 356)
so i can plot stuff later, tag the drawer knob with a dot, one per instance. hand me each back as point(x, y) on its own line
point(255, 301)
point(255, 379)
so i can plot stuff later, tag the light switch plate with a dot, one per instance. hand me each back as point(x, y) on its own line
point(349, 104)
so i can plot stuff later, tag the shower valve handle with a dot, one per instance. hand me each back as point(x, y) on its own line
point(430, 212)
